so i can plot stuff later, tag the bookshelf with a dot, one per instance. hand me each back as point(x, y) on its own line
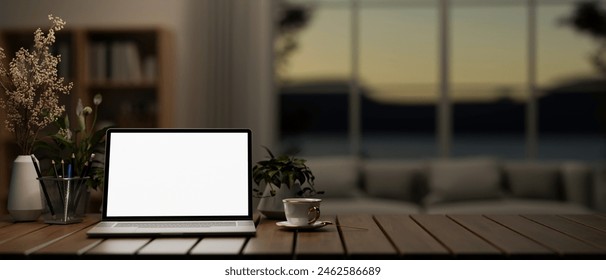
point(130, 67)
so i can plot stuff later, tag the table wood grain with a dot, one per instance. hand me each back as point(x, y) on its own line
point(409, 238)
point(119, 246)
point(555, 240)
point(579, 231)
point(350, 237)
point(216, 247)
point(321, 243)
point(505, 239)
point(459, 240)
point(270, 241)
point(30, 242)
point(5, 220)
point(363, 238)
point(15, 230)
point(594, 221)
point(168, 246)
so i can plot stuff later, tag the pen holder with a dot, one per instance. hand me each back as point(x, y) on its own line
point(66, 199)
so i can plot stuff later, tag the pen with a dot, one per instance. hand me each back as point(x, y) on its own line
point(50, 204)
point(64, 187)
point(62, 169)
point(74, 171)
point(69, 170)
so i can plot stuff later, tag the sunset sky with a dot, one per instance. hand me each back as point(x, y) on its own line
point(399, 50)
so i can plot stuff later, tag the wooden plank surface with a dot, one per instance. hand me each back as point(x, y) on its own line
point(5, 220)
point(119, 246)
point(508, 241)
point(73, 245)
point(579, 231)
point(363, 238)
point(409, 238)
point(219, 246)
point(357, 236)
point(35, 240)
point(594, 221)
point(460, 241)
point(18, 229)
point(319, 243)
point(555, 240)
point(168, 246)
point(270, 241)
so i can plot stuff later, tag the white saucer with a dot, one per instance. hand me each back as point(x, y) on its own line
point(287, 225)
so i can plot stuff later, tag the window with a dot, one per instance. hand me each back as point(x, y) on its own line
point(518, 82)
point(314, 86)
point(488, 79)
point(398, 76)
point(571, 92)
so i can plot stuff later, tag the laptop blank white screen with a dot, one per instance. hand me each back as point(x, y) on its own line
point(178, 174)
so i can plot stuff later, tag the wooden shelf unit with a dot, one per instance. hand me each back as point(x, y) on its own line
point(136, 83)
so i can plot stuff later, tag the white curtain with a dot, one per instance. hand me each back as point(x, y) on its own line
point(236, 76)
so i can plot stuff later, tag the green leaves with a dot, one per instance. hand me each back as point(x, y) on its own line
point(79, 142)
point(286, 170)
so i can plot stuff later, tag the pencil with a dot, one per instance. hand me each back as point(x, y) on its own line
point(87, 166)
point(48, 200)
point(53, 163)
point(57, 183)
point(84, 173)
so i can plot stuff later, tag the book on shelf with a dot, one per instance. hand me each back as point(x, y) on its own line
point(150, 65)
point(120, 61)
point(98, 61)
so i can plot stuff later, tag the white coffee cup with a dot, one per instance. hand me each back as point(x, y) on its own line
point(302, 211)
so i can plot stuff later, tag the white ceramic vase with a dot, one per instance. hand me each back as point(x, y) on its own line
point(272, 207)
point(24, 195)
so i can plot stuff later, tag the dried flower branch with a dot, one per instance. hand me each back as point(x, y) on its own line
point(30, 88)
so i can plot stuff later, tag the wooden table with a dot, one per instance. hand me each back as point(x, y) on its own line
point(353, 237)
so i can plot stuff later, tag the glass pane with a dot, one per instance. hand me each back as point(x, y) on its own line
point(488, 79)
point(398, 68)
point(572, 103)
point(314, 85)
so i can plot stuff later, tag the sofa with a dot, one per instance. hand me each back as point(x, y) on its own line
point(475, 185)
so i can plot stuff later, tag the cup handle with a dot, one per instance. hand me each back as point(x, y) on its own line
point(315, 209)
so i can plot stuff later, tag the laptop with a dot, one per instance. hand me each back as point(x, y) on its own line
point(177, 182)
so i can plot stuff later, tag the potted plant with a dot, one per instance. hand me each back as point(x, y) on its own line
point(29, 96)
point(282, 177)
point(79, 143)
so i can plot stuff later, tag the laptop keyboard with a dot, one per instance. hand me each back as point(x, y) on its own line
point(178, 225)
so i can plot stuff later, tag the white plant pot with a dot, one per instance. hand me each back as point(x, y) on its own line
point(24, 195)
point(272, 207)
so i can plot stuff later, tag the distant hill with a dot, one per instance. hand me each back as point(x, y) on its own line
point(323, 107)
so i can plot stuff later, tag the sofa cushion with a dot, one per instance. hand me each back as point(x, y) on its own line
point(509, 207)
point(366, 205)
point(463, 179)
point(533, 180)
point(336, 176)
point(576, 180)
point(400, 180)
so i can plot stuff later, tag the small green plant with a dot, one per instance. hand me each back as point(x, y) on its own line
point(284, 170)
point(76, 145)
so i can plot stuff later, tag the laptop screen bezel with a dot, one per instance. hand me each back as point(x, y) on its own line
point(112, 131)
